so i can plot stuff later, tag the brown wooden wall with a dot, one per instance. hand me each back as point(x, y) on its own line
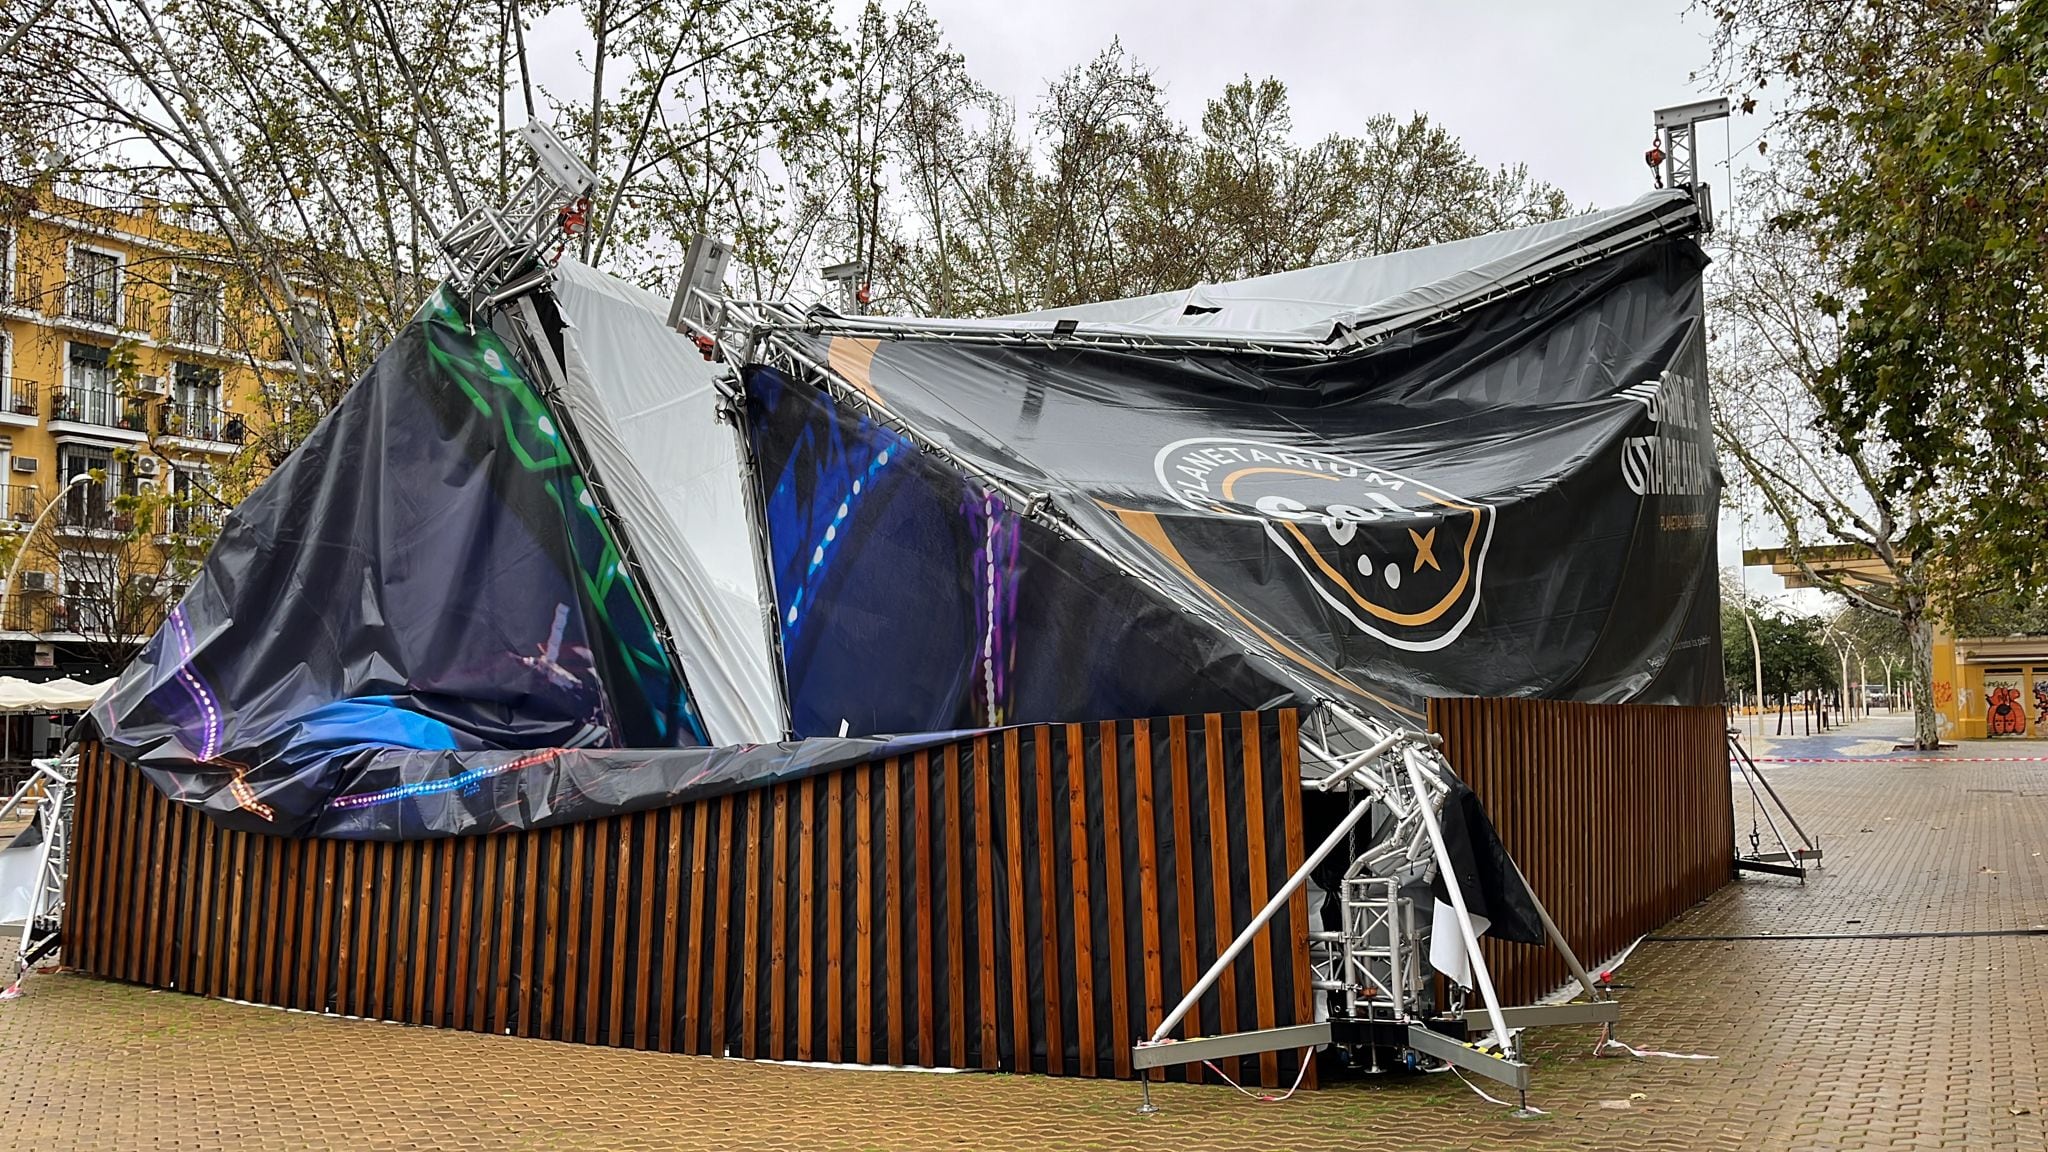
point(1039, 890)
point(1619, 815)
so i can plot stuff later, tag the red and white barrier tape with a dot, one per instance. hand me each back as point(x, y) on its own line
point(1900, 759)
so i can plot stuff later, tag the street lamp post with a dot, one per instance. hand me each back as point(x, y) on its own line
point(14, 569)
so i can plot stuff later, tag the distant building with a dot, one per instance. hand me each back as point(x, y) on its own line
point(1983, 685)
point(123, 349)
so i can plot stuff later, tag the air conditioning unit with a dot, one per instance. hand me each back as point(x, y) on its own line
point(145, 465)
point(154, 385)
point(24, 463)
point(33, 581)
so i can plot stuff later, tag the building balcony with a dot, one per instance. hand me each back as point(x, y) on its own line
point(91, 303)
point(88, 512)
point(104, 407)
point(20, 504)
point(195, 420)
point(196, 327)
point(195, 519)
point(20, 397)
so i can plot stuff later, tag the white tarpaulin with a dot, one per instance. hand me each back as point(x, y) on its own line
point(643, 401)
point(62, 695)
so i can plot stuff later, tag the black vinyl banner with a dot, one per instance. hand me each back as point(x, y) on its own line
point(1516, 501)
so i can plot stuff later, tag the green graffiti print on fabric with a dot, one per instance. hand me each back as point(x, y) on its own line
point(479, 363)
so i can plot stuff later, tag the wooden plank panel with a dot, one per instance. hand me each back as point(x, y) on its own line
point(1184, 870)
point(721, 900)
point(621, 919)
point(1014, 856)
point(751, 937)
point(863, 915)
point(368, 976)
point(674, 959)
point(1048, 907)
point(387, 862)
point(540, 950)
point(602, 835)
point(694, 1015)
point(643, 989)
point(156, 840)
point(508, 898)
point(1113, 889)
point(1300, 976)
point(121, 946)
point(444, 920)
point(806, 957)
point(927, 1023)
point(956, 940)
point(985, 901)
point(1221, 875)
point(346, 965)
point(892, 897)
point(286, 910)
point(323, 928)
point(1077, 854)
point(835, 908)
point(778, 929)
point(572, 933)
point(1151, 960)
point(1255, 876)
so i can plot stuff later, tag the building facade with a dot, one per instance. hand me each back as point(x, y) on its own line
point(1984, 686)
point(126, 369)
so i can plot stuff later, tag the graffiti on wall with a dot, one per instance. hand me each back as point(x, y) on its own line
point(2004, 714)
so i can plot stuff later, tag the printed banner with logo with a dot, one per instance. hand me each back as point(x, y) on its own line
point(1519, 501)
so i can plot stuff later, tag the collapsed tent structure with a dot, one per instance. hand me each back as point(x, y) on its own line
point(553, 559)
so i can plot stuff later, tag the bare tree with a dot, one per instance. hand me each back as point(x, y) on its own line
point(1824, 495)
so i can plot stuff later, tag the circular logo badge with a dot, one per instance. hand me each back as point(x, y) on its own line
point(1400, 559)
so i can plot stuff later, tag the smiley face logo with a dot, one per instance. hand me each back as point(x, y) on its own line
point(1400, 559)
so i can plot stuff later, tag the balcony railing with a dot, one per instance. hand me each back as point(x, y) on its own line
point(195, 420)
point(20, 503)
point(94, 301)
point(105, 407)
point(195, 519)
point(196, 323)
point(20, 397)
point(88, 509)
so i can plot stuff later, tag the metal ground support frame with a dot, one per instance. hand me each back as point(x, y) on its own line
point(1792, 855)
point(1371, 968)
point(48, 789)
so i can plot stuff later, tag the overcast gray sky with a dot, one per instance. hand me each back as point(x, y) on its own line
point(1565, 85)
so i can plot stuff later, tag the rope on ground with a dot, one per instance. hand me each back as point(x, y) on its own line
point(1608, 1041)
point(1307, 1054)
point(1530, 1109)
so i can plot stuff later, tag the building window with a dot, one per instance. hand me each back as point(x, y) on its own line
point(91, 395)
point(193, 506)
point(94, 292)
point(88, 596)
point(195, 410)
point(87, 505)
point(195, 310)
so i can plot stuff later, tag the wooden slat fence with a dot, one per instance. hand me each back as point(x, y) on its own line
point(1619, 815)
point(1032, 891)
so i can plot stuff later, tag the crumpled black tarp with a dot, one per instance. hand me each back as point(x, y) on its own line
point(1517, 501)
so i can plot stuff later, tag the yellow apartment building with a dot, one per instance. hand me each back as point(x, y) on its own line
point(125, 352)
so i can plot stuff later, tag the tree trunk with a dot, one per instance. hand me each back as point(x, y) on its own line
point(1926, 720)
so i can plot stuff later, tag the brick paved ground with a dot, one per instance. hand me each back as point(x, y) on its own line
point(1914, 1042)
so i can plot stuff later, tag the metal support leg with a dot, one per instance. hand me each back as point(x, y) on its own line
point(1450, 877)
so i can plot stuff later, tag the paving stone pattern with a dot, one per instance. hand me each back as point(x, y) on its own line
point(1923, 1042)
